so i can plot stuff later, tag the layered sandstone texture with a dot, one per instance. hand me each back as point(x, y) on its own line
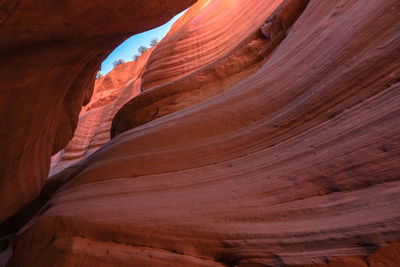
point(110, 93)
point(294, 162)
point(49, 54)
point(201, 37)
point(195, 61)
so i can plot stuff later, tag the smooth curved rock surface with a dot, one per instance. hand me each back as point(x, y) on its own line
point(49, 54)
point(110, 93)
point(253, 48)
point(207, 32)
point(297, 164)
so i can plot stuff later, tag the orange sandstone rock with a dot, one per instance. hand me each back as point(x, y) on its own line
point(296, 164)
point(49, 54)
point(207, 32)
point(223, 72)
point(93, 130)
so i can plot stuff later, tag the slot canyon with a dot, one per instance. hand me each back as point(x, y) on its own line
point(256, 133)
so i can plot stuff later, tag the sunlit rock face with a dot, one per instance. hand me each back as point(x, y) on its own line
point(293, 161)
point(207, 52)
point(110, 93)
point(49, 54)
point(203, 35)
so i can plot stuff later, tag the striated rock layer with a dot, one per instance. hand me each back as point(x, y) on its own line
point(49, 54)
point(207, 32)
point(93, 130)
point(237, 63)
point(296, 164)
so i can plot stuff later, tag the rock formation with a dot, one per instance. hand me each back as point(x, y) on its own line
point(291, 158)
point(49, 54)
point(214, 65)
point(109, 94)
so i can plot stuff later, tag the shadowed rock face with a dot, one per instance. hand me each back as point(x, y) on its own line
point(93, 130)
point(49, 54)
point(293, 162)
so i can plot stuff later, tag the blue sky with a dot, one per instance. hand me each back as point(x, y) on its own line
point(129, 48)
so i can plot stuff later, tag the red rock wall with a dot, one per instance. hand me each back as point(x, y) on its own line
point(250, 54)
point(110, 93)
point(297, 164)
point(49, 54)
point(206, 33)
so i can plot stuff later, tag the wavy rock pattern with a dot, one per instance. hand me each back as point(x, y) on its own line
point(296, 164)
point(222, 73)
point(50, 52)
point(93, 130)
point(203, 35)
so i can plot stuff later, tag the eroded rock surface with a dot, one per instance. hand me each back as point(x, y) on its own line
point(215, 64)
point(49, 54)
point(110, 93)
point(296, 163)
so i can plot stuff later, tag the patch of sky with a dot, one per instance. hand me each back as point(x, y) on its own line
point(129, 48)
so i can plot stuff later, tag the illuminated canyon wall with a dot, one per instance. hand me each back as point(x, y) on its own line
point(267, 134)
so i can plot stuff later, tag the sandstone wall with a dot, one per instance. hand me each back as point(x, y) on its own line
point(295, 161)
